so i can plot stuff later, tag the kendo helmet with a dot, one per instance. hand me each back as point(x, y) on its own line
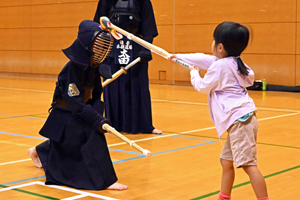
point(91, 46)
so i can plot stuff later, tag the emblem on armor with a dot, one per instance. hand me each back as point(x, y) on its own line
point(73, 90)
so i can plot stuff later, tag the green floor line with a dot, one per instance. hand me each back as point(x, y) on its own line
point(31, 193)
point(278, 145)
point(248, 182)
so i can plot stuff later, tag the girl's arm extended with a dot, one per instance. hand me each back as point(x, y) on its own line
point(200, 60)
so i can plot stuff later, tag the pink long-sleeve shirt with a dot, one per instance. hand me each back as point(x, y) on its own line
point(228, 98)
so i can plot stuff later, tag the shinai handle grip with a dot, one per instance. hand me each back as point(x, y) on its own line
point(125, 139)
point(180, 62)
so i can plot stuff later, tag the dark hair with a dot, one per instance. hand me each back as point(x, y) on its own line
point(234, 38)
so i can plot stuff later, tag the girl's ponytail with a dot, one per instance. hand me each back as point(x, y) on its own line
point(241, 66)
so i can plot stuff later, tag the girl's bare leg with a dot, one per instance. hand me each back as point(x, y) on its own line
point(257, 181)
point(228, 175)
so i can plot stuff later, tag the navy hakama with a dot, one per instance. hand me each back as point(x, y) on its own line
point(127, 99)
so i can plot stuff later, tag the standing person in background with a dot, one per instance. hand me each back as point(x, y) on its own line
point(231, 108)
point(127, 99)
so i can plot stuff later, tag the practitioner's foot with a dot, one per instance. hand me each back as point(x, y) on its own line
point(34, 156)
point(157, 132)
point(117, 186)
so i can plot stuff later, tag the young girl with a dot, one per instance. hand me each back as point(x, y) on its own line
point(231, 109)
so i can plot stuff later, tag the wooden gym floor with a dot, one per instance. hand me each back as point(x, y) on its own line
point(185, 159)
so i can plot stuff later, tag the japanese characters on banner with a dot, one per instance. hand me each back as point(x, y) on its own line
point(123, 52)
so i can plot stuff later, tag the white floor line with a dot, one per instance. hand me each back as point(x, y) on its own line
point(197, 130)
point(280, 110)
point(182, 102)
point(169, 135)
point(13, 162)
point(17, 186)
point(278, 116)
point(163, 136)
point(14, 143)
point(25, 90)
point(82, 193)
point(206, 104)
point(75, 197)
point(157, 100)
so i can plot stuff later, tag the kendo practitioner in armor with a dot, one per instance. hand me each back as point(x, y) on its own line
point(76, 154)
point(127, 99)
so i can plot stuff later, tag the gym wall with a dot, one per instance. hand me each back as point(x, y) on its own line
point(33, 32)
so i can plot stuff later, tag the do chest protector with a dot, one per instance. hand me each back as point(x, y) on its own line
point(125, 14)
